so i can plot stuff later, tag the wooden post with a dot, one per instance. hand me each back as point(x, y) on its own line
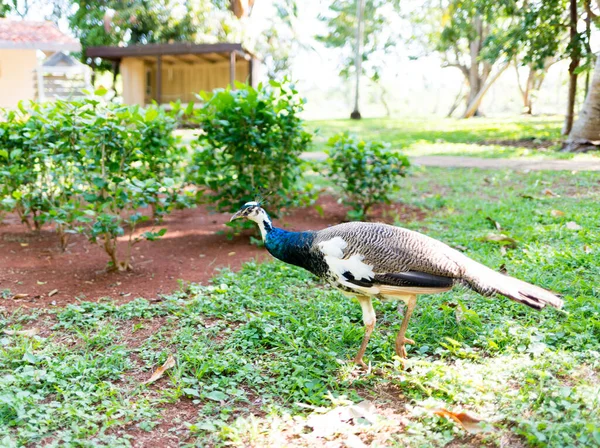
point(93, 75)
point(158, 79)
point(115, 70)
point(250, 74)
point(232, 70)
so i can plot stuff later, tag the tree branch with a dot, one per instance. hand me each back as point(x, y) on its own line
point(462, 68)
point(588, 9)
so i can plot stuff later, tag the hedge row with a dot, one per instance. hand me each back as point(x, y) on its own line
point(89, 167)
point(92, 166)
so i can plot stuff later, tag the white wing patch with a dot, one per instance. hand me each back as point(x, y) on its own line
point(333, 247)
point(333, 250)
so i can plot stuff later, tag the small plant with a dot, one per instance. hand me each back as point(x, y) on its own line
point(17, 171)
point(163, 158)
point(366, 173)
point(117, 181)
point(251, 144)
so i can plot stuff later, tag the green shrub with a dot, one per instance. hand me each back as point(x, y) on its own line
point(163, 157)
point(89, 167)
point(365, 172)
point(250, 144)
point(16, 169)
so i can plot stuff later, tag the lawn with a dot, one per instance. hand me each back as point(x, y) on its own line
point(262, 355)
point(479, 137)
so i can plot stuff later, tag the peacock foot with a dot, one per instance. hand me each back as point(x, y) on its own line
point(401, 346)
point(359, 362)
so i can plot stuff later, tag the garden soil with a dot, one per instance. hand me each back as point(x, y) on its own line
point(35, 273)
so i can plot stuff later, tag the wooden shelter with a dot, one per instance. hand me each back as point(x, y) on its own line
point(178, 71)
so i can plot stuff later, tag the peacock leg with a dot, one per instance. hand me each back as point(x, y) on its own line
point(369, 321)
point(401, 340)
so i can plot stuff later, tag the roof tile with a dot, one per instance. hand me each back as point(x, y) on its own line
point(40, 35)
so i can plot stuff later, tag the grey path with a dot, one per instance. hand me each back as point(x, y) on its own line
point(476, 162)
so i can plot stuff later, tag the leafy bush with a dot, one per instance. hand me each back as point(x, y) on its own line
point(89, 167)
point(251, 144)
point(16, 171)
point(365, 172)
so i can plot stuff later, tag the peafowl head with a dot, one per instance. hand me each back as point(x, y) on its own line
point(254, 212)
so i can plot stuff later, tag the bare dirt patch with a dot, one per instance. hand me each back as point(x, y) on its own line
point(170, 431)
point(530, 143)
point(194, 247)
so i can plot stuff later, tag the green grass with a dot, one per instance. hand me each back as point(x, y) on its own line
point(438, 136)
point(258, 346)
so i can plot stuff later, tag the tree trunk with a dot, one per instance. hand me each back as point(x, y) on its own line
point(572, 68)
point(585, 134)
point(526, 90)
point(475, 81)
point(457, 101)
point(474, 105)
point(360, 10)
point(533, 84)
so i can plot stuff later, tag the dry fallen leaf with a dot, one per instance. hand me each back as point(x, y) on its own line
point(158, 373)
point(231, 253)
point(24, 244)
point(51, 293)
point(469, 422)
point(41, 283)
point(549, 192)
point(30, 332)
point(500, 238)
point(557, 213)
point(572, 225)
point(20, 296)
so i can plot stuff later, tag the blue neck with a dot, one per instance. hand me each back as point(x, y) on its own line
point(290, 247)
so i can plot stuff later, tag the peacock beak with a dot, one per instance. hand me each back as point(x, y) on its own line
point(237, 215)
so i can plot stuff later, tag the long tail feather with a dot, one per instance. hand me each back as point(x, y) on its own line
point(489, 282)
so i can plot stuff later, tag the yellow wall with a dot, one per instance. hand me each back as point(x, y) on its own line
point(179, 80)
point(184, 81)
point(132, 74)
point(17, 76)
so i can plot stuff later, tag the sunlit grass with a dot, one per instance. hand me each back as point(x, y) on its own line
point(258, 346)
point(478, 137)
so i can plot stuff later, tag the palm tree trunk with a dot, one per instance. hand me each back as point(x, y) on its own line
point(575, 54)
point(360, 10)
point(585, 134)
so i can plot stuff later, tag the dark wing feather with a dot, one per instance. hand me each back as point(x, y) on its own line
point(411, 279)
point(414, 279)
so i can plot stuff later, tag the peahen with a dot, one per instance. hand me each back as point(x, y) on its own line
point(369, 260)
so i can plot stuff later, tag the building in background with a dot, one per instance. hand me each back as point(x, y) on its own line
point(163, 73)
point(21, 70)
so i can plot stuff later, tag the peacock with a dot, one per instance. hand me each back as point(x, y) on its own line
point(367, 260)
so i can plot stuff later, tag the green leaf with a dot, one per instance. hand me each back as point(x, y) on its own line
point(99, 182)
point(216, 395)
point(192, 392)
point(30, 358)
